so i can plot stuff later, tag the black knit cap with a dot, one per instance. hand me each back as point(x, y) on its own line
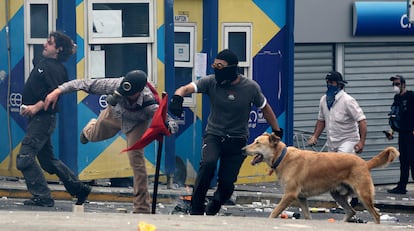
point(228, 56)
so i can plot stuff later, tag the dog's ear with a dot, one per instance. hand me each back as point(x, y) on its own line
point(274, 139)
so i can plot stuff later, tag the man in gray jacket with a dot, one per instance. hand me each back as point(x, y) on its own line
point(131, 106)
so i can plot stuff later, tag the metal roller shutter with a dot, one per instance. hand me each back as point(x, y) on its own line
point(367, 68)
point(312, 63)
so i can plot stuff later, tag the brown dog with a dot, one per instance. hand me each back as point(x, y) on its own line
point(305, 173)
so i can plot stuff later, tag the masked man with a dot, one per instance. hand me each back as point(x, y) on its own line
point(343, 118)
point(231, 96)
point(401, 121)
point(132, 105)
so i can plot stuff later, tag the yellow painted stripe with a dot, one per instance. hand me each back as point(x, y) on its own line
point(80, 19)
point(103, 165)
point(264, 28)
point(2, 13)
point(13, 171)
point(159, 6)
point(80, 30)
point(253, 174)
point(14, 5)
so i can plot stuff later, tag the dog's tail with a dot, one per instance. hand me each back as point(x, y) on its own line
point(385, 157)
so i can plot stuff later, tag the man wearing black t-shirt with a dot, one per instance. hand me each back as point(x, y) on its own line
point(47, 74)
point(404, 104)
point(231, 97)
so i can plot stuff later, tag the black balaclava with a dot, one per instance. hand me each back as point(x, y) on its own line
point(228, 74)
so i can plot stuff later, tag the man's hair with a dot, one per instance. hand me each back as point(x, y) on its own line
point(65, 43)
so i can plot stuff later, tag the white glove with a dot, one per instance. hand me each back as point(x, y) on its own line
point(172, 126)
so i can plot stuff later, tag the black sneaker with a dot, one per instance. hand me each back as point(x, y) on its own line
point(42, 202)
point(354, 202)
point(83, 194)
point(212, 208)
point(397, 190)
point(82, 138)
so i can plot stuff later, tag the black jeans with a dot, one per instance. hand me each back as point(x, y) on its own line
point(37, 143)
point(228, 151)
point(406, 148)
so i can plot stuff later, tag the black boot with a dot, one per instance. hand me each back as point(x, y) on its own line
point(83, 194)
point(42, 202)
point(397, 190)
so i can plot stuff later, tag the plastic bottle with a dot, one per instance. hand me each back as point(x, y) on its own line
point(388, 219)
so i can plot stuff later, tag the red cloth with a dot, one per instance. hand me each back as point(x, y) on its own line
point(154, 91)
point(157, 128)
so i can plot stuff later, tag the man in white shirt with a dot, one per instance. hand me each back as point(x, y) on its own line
point(343, 118)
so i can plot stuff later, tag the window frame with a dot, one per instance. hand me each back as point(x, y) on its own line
point(192, 29)
point(227, 28)
point(149, 40)
point(186, 28)
point(29, 41)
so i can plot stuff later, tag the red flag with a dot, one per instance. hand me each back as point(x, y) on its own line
point(154, 91)
point(157, 128)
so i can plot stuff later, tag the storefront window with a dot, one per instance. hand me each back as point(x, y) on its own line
point(237, 43)
point(39, 20)
point(120, 20)
point(237, 37)
point(121, 38)
point(118, 59)
point(184, 52)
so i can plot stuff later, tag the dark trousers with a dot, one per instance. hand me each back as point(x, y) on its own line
point(406, 146)
point(37, 143)
point(228, 151)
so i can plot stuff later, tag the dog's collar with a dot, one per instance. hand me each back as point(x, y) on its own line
point(282, 155)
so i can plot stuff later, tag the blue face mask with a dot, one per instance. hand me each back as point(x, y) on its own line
point(330, 95)
point(332, 90)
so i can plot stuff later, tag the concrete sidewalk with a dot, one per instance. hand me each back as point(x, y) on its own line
point(243, 194)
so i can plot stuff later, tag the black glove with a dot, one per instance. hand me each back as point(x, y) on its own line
point(176, 105)
point(278, 133)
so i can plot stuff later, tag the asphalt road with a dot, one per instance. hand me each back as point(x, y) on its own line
point(255, 209)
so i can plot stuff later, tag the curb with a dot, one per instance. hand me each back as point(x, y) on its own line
point(385, 202)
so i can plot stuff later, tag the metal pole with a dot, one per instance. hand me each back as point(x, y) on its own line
point(157, 176)
point(157, 168)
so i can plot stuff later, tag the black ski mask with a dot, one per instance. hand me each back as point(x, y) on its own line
point(226, 75)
